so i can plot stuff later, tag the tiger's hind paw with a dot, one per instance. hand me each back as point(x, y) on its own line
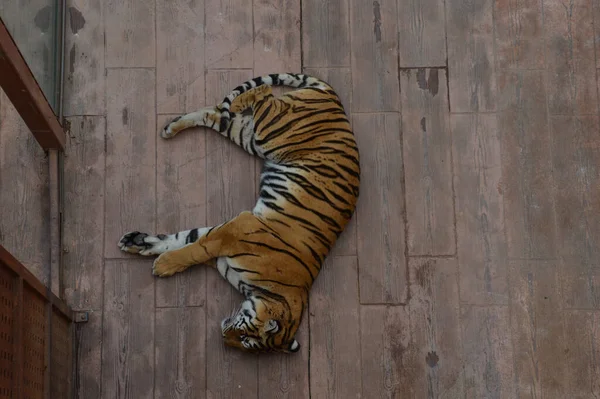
point(170, 129)
point(141, 243)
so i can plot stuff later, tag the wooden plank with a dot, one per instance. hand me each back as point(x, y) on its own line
point(82, 250)
point(374, 35)
point(575, 160)
point(230, 190)
point(130, 155)
point(526, 165)
point(471, 61)
point(181, 205)
point(88, 357)
point(20, 86)
point(128, 329)
point(387, 361)
point(537, 329)
point(428, 162)
point(334, 336)
point(380, 211)
point(130, 35)
point(84, 74)
point(286, 375)
point(435, 329)
point(519, 34)
point(180, 56)
point(482, 249)
point(229, 35)
point(25, 201)
point(570, 57)
point(582, 363)
point(487, 352)
point(325, 33)
point(180, 361)
point(422, 36)
point(276, 36)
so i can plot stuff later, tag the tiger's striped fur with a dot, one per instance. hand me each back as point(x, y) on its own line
point(308, 192)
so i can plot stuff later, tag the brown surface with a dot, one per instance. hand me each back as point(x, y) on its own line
point(503, 274)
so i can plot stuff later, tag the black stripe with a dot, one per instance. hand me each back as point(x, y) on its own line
point(283, 251)
point(192, 236)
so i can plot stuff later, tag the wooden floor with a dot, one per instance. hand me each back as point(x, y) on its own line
point(472, 266)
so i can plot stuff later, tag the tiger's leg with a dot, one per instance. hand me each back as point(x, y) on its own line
point(148, 245)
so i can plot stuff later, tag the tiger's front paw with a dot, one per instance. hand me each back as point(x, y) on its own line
point(141, 243)
point(165, 265)
point(170, 129)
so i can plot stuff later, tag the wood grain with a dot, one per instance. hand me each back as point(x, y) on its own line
point(387, 367)
point(380, 211)
point(428, 162)
point(325, 33)
point(519, 34)
point(487, 352)
point(334, 335)
point(88, 355)
point(229, 35)
point(24, 196)
point(571, 60)
point(181, 205)
point(128, 329)
point(130, 155)
point(537, 329)
point(180, 356)
point(130, 34)
point(471, 60)
point(276, 36)
point(180, 56)
point(526, 166)
point(374, 35)
point(582, 365)
point(85, 77)
point(575, 160)
point(435, 349)
point(482, 249)
point(83, 219)
point(230, 190)
point(422, 33)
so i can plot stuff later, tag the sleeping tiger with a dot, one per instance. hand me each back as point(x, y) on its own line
point(308, 191)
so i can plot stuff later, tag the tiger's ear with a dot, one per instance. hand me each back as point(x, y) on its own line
point(272, 326)
point(294, 346)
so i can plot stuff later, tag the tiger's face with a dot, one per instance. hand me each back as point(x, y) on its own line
point(253, 330)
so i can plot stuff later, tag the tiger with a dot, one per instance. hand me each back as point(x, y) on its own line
point(309, 186)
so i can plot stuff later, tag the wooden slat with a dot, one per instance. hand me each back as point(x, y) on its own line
point(21, 88)
point(180, 56)
point(526, 165)
point(180, 360)
point(482, 250)
point(130, 36)
point(435, 350)
point(230, 190)
point(428, 162)
point(128, 329)
point(471, 61)
point(488, 353)
point(181, 205)
point(537, 329)
point(380, 211)
point(88, 357)
point(82, 250)
point(519, 34)
point(334, 337)
point(422, 36)
point(387, 367)
point(130, 155)
point(570, 57)
point(325, 33)
point(228, 31)
point(276, 36)
point(84, 59)
point(575, 159)
point(374, 35)
point(582, 367)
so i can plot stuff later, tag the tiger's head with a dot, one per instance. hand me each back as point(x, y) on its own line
point(257, 327)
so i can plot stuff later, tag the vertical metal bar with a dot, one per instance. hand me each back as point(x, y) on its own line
point(18, 339)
